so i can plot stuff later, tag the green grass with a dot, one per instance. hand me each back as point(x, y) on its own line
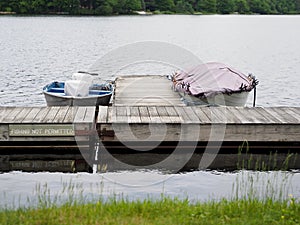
point(164, 211)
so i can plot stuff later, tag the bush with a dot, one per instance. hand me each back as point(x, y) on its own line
point(104, 9)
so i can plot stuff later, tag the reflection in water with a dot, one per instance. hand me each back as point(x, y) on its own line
point(20, 187)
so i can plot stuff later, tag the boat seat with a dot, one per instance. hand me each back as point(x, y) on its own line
point(57, 90)
point(97, 92)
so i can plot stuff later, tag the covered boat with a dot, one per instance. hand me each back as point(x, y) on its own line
point(214, 84)
point(78, 92)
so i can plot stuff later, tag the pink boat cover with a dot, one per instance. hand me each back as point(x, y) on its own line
point(210, 79)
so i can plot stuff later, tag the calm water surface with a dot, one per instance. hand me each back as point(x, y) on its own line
point(37, 50)
point(23, 189)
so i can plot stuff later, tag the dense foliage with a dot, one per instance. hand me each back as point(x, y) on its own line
point(110, 7)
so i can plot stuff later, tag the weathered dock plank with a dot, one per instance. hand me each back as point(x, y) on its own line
point(163, 114)
point(154, 116)
point(145, 116)
point(206, 115)
point(49, 118)
point(278, 116)
point(253, 116)
point(283, 113)
point(294, 113)
point(263, 118)
point(134, 115)
point(173, 115)
point(5, 112)
point(31, 115)
point(90, 115)
point(39, 117)
point(268, 115)
point(191, 114)
point(80, 115)
point(61, 114)
point(11, 115)
point(202, 115)
point(216, 116)
point(145, 91)
point(69, 118)
point(224, 114)
point(21, 116)
point(102, 114)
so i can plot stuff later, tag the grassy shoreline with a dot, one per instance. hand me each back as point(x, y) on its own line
point(163, 211)
point(257, 198)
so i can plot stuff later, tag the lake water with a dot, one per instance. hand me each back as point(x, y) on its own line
point(23, 189)
point(37, 50)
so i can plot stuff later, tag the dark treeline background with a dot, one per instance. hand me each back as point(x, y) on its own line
point(110, 7)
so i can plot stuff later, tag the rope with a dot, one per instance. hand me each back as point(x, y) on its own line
point(254, 98)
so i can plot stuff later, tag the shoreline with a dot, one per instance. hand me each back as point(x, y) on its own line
point(137, 14)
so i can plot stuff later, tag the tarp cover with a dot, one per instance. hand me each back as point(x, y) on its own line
point(210, 79)
point(83, 77)
point(77, 88)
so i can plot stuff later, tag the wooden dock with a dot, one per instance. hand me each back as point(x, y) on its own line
point(273, 124)
point(147, 114)
point(265, 137)
point(29, 135)
point(144, 100)
point(146, 124)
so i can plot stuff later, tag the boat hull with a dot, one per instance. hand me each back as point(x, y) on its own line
point(103, 100)
point(235, 99)
point(53, 100)
point(54, 95)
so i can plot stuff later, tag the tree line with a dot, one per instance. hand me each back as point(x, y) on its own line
point(112, 7)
